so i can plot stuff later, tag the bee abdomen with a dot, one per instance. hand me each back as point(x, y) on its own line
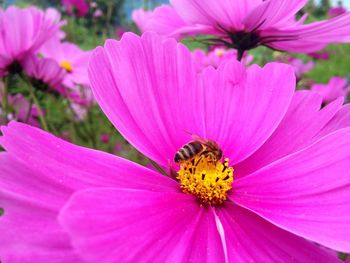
point(188, 151)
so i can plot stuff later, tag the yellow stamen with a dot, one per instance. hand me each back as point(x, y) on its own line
point(220, 52)
point(208, 180)
point(65, 64)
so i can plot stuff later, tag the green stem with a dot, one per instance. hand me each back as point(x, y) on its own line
point(91, 128)
point(87, 135)
point(42, 119)
point(29, 111)
point(37, 104)
point(4, 103)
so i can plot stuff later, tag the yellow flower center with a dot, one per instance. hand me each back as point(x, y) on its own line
point(205, 178)
point(65, 64)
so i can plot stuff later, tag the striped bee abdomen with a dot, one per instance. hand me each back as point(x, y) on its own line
point(188, 151)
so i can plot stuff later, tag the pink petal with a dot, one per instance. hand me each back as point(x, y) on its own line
point(163, 20)
point(140, 18)
point(172, 101)
point(243, 109)
point(334, 89)
point(293, 44)
point(159, 77)
point(225, 13)
point(272, 13)
point(24, 30)
point(339, 121)
point(38, 173)
point(311, 37)
point(302, 122)
point(77, 167)
point(306, 193)
point(250, 238)
point(29, 230)
point(131, 225)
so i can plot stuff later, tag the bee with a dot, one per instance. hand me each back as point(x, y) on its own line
point(201, 147)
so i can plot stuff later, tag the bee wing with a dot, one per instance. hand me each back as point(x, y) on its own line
point(200, 139)
point(196, 137)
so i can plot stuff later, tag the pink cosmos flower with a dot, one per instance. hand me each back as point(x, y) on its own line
point(46, 72)
point(247, 24)
point(216, 57)
point(163, 20)
point(335, 88)
point(336, 11)
point(71, 58)
point(22, 31)
point(285, 193)
point(76, 7)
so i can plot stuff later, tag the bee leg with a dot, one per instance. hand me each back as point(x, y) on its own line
point(172, 172)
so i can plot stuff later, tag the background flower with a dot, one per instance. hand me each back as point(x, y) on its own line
point(247, 24)
point(17, 40)
point(335, 88)
point(76, 7)
point(46, 72)
point(71, 58)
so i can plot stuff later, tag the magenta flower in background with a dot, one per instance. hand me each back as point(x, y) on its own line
point(46, 72)
point(321, 55)
point(71, 58)
point(285, 193)
point(22, 32)
point(336, 11)
point(335, 88)
point(216, 57)
point(247, 24)
point(104, 138)
point(76, 7)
